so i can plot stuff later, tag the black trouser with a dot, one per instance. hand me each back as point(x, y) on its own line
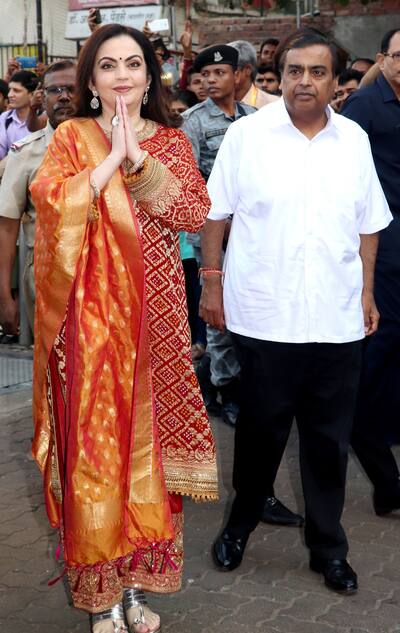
point(316, 383)
point(378, 408)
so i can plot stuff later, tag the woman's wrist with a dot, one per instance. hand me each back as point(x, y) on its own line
point(114, 159)
point(135, 156)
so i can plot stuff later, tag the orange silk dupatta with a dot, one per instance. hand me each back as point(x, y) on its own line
point(98, 445)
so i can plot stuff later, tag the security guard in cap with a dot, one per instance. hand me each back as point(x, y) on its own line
point(22, 163)
point(206, 123)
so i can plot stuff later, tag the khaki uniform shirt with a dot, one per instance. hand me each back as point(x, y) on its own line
point(23, 161)
point(258, 98)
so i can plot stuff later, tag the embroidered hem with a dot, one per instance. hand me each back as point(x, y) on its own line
point(184, 483)
point(157, 568)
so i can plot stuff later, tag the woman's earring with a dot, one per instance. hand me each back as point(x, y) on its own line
point(146, 96)
point(94, 103)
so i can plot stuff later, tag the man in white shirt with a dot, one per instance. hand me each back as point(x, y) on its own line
point(297, 294)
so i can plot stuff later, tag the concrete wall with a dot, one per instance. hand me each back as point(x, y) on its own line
point(360, 27)
point(362, 34)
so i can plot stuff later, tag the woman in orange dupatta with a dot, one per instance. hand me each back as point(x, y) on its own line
point(121, 432)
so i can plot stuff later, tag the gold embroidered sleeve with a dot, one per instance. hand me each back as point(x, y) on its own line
point(149, 182)
point(174, 192)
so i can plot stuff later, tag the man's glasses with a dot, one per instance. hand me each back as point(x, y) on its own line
point(58, 90)
point(394, 56)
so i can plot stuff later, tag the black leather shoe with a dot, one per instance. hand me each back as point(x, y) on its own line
point(384, 503)
point(228, 551)
point(277, 514)
point(338, 574)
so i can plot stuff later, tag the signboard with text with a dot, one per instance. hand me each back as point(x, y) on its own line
point(77, 27)
point(77, 5)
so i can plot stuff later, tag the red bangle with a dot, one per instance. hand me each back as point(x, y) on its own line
point(210, 271)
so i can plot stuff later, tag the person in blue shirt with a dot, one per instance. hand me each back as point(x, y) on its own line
point(377, 109)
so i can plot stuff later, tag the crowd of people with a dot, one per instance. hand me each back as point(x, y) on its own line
point(223, 240)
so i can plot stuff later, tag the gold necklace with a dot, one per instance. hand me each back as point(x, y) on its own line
point(147, 129)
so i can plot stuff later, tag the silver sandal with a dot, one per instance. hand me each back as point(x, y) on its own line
point(135, 598)
point(115, 613)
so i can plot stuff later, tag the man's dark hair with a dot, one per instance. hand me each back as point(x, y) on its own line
point(348, 75)
point(186, 96)
point(367, 60)
point(270, 40)
point(62, 64)
point(301, 39)
point(189, 74)
point(3, 88)
point(386, 39)
point(26, 78)
point(268, 68)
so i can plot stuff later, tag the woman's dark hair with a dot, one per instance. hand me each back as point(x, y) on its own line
point(26, 78)
point(157, 108)
point(303, 38)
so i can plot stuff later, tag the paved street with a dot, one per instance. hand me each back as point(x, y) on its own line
point(272, 592)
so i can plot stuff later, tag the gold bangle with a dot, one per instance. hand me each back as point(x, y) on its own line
point(135, 169)
point(139, 163)
point(93, 213)
point(95, 189)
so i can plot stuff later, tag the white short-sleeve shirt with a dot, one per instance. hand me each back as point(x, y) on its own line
point(293, 272)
